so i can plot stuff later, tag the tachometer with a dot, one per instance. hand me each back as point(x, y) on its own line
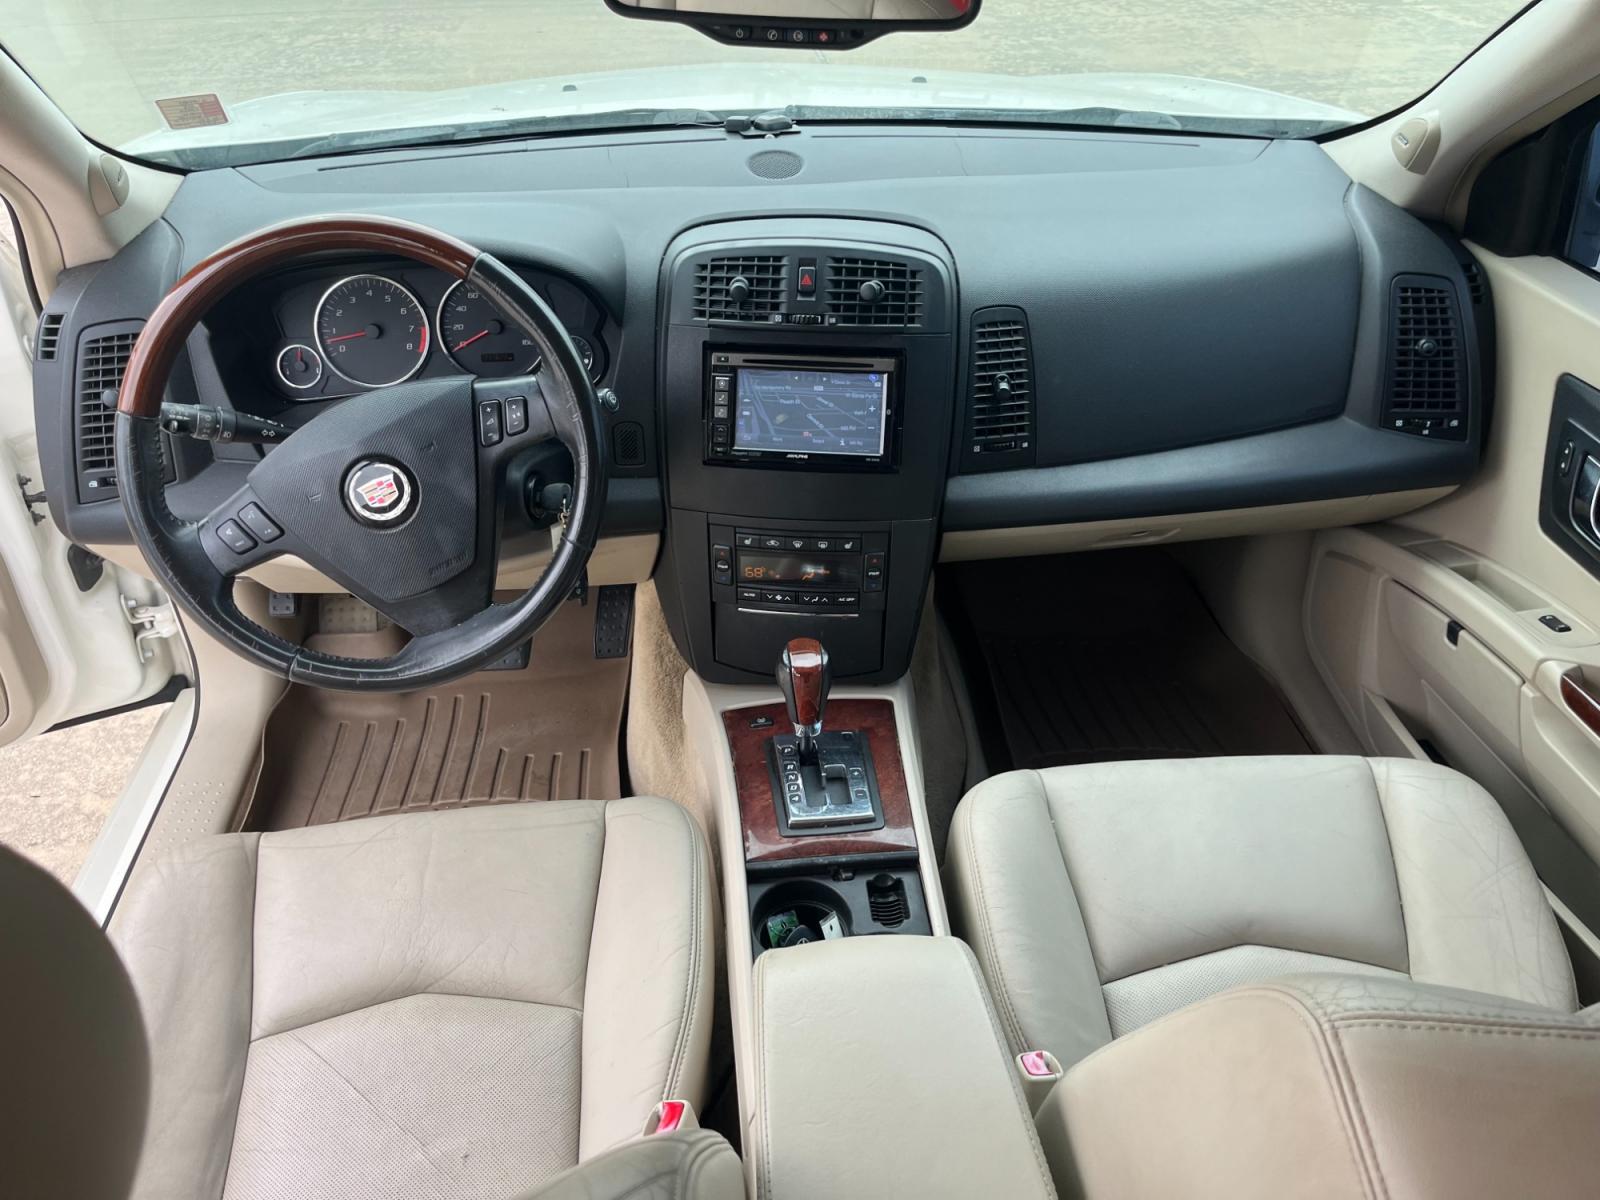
point(479, 339)
point(371, 330)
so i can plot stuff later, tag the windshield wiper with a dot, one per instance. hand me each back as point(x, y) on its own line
point(506, 127)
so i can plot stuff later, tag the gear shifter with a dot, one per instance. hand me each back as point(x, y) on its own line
point(803, 677)
point(820, 780)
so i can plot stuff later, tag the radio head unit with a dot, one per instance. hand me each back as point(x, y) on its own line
point(828, 412)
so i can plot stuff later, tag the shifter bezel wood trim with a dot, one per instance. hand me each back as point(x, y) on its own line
point(763, 841)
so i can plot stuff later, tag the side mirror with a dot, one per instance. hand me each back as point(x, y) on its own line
point(802, 24)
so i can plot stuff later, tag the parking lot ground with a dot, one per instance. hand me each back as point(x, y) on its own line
point(57, 789)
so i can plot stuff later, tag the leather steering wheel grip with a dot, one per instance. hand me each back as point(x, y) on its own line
point(173, 547)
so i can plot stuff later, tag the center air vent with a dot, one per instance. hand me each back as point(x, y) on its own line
point(101, 360)
point(1426, 390)
point(874, 292)
point(748, 288)
point(1000, 404)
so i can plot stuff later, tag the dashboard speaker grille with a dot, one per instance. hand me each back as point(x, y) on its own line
point(1000, 409)
point(766, 283)
point(627, 444)
point(775, 164)
point(50, 336)
point(875, 292)
point(1427, 375)
point(101, 361)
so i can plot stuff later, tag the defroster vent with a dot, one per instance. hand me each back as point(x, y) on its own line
point(1426, 390)
point(102, 357)
point(1000, 405)
point(876, 292)
point(750, 287)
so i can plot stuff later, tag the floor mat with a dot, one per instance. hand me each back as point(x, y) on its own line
point(547, 732)
point(1112, 655)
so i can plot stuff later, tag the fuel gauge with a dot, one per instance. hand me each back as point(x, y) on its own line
point(299, 366)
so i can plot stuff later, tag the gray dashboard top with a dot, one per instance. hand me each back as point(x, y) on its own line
point(1184, 292)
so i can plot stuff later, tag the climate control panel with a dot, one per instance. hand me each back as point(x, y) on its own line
point(835, 574)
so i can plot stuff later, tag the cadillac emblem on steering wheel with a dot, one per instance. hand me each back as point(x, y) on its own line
point(378, 492)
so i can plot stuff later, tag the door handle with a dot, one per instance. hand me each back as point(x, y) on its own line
point(1580, 701)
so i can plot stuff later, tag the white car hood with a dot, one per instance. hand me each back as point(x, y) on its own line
point(729, 87)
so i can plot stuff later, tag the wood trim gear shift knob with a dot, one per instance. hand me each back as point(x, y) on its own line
point(803, 677)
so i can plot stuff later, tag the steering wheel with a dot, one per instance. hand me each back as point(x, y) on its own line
point(395, 494)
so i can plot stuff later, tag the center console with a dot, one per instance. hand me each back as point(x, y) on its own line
point(807, 380)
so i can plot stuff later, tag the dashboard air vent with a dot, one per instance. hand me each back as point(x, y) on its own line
point(1000, 410)
point(50, 336)
point(1427, 377)
point(873, 291)
point(748, 288)
point(101, 361)
point(1477, 286)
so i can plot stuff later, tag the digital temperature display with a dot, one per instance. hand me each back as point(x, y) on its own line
point(815, 569)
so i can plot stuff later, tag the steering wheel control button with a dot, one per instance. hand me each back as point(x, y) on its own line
point(491, 425)
point(234, 537)
point(516, 415)
point(378, 492)
point(258, 523)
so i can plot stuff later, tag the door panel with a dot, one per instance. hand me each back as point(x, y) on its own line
point(1450, 636)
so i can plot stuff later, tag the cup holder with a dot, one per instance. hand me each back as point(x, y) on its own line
point(813, 906)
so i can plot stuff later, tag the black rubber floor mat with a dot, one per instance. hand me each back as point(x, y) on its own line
point(1113, 655)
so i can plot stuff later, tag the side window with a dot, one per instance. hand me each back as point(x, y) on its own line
point(1583, 238)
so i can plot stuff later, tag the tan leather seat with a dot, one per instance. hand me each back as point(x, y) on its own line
point(442, 1004)
point(1101, 897)
point(1335, 1087)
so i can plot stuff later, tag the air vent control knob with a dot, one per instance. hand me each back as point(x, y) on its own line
point(739, 289)
point(871, 291)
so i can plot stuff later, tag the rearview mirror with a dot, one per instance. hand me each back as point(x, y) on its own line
point(802, 24)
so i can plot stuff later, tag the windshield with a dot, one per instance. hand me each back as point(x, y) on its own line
point(195, 85)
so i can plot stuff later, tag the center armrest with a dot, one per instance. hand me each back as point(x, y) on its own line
point(882, 1071)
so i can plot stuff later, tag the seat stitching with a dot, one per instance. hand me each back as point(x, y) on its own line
point(689, 1177)
point(764, 1184)
point(1358, 1112)
point(1394, 862)
point(688, 1010)
point(390, 1121)
point(588, 963)
point(1188, 958)
point(410, 996)
point(1341, 1087)
point(255, 892)
point(990, 952)
point(1581, 1035)
point(1021, 1101)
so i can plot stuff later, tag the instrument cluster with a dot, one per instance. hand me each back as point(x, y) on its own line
point(360, 329)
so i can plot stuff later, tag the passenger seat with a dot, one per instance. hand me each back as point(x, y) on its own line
point(1098, 898)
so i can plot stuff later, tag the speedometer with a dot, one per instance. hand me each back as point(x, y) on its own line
point(371, 330)
point(479, 339)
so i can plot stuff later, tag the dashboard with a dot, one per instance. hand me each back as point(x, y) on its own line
point(820, 372)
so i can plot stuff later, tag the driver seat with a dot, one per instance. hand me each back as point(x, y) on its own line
point(440, 1004)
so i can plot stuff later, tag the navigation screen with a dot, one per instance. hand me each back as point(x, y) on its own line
point(811, 412)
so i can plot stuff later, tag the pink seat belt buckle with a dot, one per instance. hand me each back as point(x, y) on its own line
point(669, 1117)
point(1040, 1072)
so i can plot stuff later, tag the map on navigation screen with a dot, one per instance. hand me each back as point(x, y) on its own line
point(811, 412)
